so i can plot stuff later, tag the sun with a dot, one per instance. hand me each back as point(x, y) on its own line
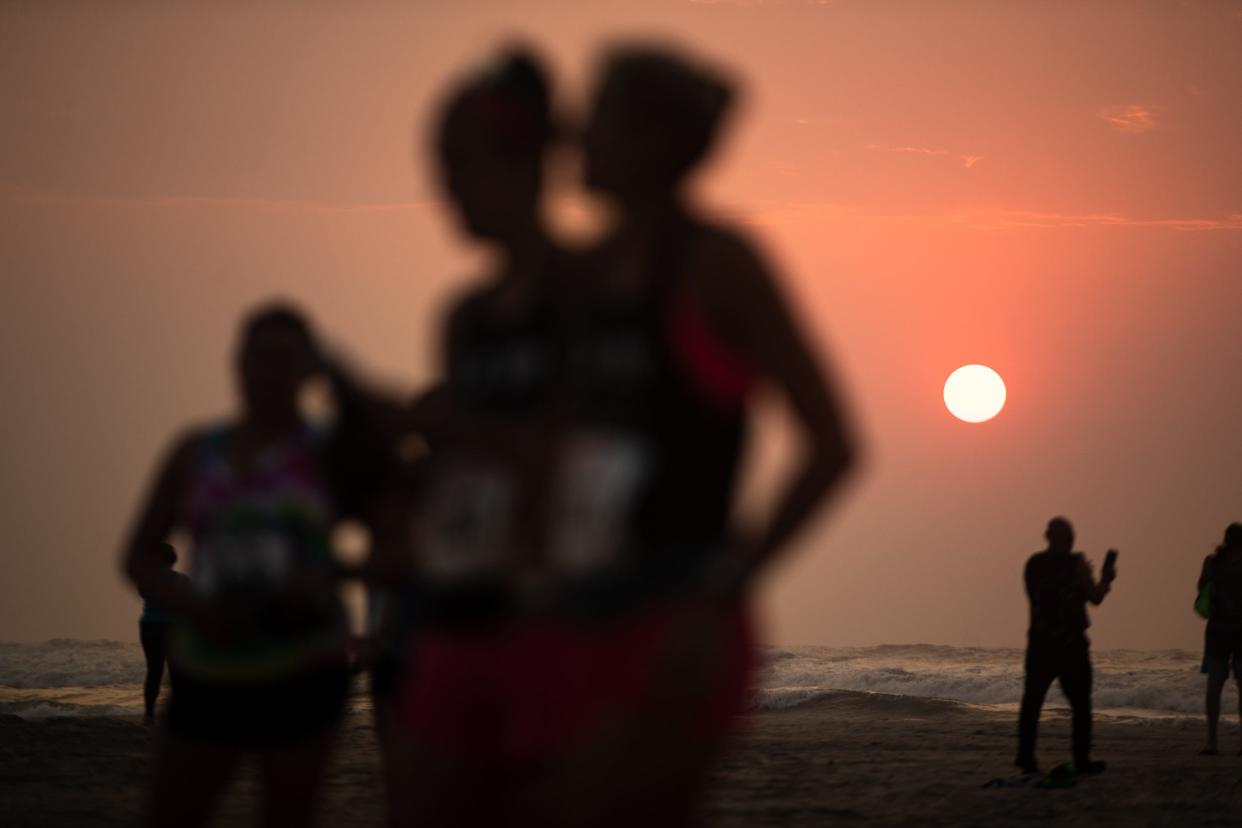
point(974, 393)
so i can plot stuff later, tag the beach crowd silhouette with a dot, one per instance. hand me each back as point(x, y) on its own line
point(559, 622)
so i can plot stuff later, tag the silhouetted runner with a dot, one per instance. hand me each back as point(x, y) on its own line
point(677, 324)
point(488, 703)
point(584, 643)
point(1222, 644)
point(1059, 584)
point(258, 654)
point(153, 628)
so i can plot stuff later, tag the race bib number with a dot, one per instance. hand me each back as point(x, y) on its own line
point(252, 562)
point(465, 524)
point(600, 476)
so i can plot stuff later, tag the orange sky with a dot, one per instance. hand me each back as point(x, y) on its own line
point(1052, 190)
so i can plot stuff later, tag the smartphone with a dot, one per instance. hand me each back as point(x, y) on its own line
point(1110, 560)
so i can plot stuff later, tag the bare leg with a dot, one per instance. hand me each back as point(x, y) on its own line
point(152, 636)
point(672, 778)
point(450, 793)
point(1212, 706)
point(189, 777)
point(649, 765)
point(397, 761)
point(1240, 709)
point(631, 774)
point(293, 779)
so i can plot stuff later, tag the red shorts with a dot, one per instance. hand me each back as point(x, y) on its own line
point(535, 689)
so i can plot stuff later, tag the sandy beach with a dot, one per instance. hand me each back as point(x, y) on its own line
point(847, 759)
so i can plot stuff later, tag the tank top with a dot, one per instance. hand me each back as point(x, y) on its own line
point(658, 429)
point(255, 533)
point(640, 407)
point(476, 521)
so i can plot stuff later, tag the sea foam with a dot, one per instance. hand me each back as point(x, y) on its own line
point(75, 677)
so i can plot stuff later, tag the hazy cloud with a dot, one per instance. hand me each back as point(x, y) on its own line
point(754, 4)
point(968, 161)
point(1131, 118)
point(37, 196)
point(981, 219)
point(906, 150)
point(762, 214)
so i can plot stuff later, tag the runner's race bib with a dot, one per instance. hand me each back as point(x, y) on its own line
point(592, 501)
point(248, 566)
point(465, 524)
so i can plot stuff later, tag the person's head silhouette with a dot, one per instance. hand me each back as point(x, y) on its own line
point(490, 142)
point(275, 357)
point(654, 118)
point(1060, 534)
point(168, 555)
point(1233, 536)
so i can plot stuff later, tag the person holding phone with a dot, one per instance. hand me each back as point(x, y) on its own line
point(1059, 584)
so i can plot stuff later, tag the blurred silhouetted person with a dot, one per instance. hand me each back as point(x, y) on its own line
point(258, 657)
point(1222, 647)
point(675, 325)
point(1059, 584)
point(584, 645)
point(153, 627)
point(482, 700)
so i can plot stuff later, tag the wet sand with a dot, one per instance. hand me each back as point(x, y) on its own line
point(850, 759)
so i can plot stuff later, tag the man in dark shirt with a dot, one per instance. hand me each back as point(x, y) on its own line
point(1059, 583)
point(1222, 645)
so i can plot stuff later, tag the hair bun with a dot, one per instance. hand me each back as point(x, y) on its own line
point(505, 104)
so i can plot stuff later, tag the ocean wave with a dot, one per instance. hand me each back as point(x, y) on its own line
point(68, 662)
point(51, 708)
point(68, 676)
point(1165, 682)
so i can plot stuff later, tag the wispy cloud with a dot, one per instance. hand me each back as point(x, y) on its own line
point(33, 195)
point(1134, 119)
point(906, 150)
point(972, 218)
point(754, 4)
point(968, 161)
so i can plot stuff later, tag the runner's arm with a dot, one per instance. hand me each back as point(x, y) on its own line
point(744, 298)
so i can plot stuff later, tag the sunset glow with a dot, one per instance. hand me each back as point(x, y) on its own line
point(1050, 189)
